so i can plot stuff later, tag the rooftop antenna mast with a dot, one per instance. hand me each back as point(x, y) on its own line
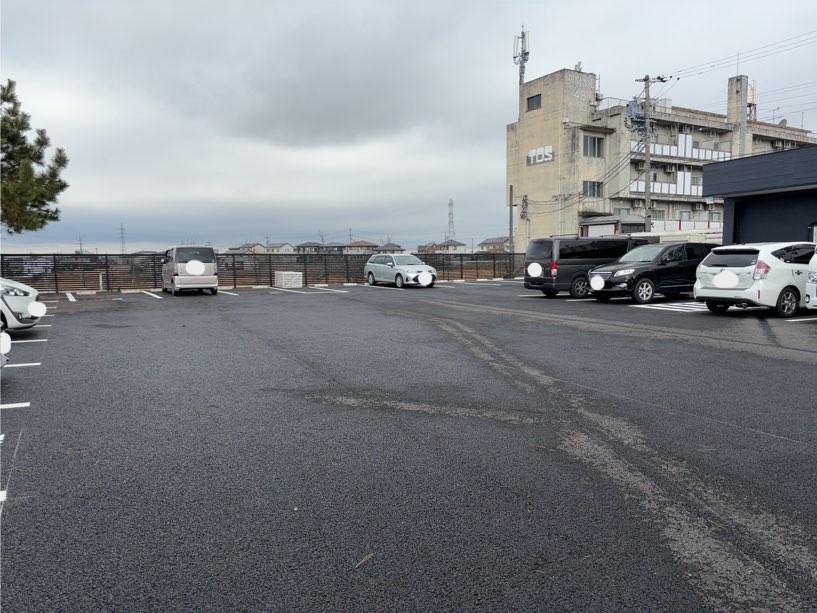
point(521, 44)
point(451, 235)
point(121, 238)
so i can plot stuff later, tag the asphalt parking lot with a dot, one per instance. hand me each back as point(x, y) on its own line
point(471, 446)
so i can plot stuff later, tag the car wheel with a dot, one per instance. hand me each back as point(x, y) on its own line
point(370, 279)
point(602, 298)
point(431, 284)
point(214, 291)
point(398, 281)
point(173, 290)
point(644, 291)
point(580, 288)
point(717, 307)
point(787, 302)
point(550, 293)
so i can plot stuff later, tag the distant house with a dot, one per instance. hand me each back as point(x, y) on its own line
point(359, 247)
point(335, 248)
point(450, 246)
point(245, 248)
point(389, 248)
point(427, 248)
point(494, 245)
point(279, 248)
point(308, 247)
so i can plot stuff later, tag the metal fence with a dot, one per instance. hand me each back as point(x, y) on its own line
point(60, 273)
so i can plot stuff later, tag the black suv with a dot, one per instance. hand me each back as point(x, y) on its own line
point(557, 264)
point(663, 268)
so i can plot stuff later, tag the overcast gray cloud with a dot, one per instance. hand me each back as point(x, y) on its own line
point(238, 121)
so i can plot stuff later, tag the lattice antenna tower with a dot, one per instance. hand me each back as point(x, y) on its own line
point(121, 238)
point(521, 45)
point(451, 234)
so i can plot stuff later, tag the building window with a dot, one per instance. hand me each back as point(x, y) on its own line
point(593, 189)
point(535, 102)
point(659, 214)
point(593, 146)
point(714, 215)
point(697, 180)
point(684, 215)
point(621, 211)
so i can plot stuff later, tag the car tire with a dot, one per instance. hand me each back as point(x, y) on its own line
point(173, 290)
point(580, 288)
point(370, 279)
point(431, 284)
point(398, 281)
point(214, 291)
point(643, 291)
point(550, 293)
point(717, 307)
point(787, 302)
point(602, 298)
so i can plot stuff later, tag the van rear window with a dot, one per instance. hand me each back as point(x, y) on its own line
point(731, 258)
point(202, 254)
point(539, 250)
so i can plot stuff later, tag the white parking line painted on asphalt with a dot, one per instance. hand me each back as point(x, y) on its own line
point(580, 300)
point(678, 307)
point(23, 365)
point(444, 286)
point(52, 315)
point(399, 289)
point(32, 340)
point(797, 321)
point(528, 296)
point(16, 405)
point(328, 289)
point(70, 297)
point(2, 495)
point(52, 308)
point(42, 326)
point(221, 291)
point(144, 291)
point(281, 289)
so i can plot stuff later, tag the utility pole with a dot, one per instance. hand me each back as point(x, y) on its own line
point(647, 140)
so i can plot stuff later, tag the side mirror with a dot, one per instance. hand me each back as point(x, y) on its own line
point(390, 264)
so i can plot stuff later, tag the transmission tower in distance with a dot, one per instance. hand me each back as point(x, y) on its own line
point(121, 238)
point(451, 235)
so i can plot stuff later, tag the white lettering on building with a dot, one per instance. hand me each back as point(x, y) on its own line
point(540, 155)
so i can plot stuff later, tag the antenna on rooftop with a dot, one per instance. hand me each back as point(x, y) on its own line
point(521, 53)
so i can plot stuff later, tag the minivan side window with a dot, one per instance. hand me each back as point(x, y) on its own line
point(573, 250)
point(610, 249)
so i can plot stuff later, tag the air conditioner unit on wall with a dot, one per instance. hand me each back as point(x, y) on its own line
point(710, 206)
point(637, 204)
point(699, 206)
point(640, 165)
point(777, 144)
point(669, 168)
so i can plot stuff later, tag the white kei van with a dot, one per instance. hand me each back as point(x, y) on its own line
point(189, 267)
point(811, 283)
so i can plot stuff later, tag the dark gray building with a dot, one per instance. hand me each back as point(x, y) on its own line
point(769, 197)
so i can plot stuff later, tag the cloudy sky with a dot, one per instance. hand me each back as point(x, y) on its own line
point(293, 121)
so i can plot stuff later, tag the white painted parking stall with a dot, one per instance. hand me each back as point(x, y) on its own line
point(676, 307)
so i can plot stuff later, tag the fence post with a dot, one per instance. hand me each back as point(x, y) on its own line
point(493, 257)
point(462, 269)
point(326, 268)
point(107, 275)
point(269, 262)
point(155, 259)
point(235, 282)
point(346, 261)
point(56, 282)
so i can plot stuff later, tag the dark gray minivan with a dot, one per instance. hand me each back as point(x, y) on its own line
point(556, 263)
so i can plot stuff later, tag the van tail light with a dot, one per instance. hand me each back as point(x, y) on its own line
point(553, 269)
point(761, 270)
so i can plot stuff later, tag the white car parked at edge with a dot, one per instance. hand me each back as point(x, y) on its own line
point(19, 308)
point(811, 283)
point(757, 274)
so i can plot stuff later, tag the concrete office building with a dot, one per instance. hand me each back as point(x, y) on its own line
point(575, 167)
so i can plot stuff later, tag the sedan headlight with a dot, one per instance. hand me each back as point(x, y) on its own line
point(812, 276)
point(13, 291)
point(626, 272)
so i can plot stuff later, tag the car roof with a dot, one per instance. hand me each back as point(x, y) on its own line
point(769, 246)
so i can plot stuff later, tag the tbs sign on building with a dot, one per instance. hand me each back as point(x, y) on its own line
point(540, 155)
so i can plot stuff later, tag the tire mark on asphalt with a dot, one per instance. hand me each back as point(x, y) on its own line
point(729, 577)
point(640, 331)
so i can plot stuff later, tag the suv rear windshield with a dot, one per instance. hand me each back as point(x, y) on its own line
point(202, 254)
point(731, 258)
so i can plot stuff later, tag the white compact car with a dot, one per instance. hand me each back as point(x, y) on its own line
point(811, 283)
point(758, 274)
point(400, 270)
point(18, 305)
